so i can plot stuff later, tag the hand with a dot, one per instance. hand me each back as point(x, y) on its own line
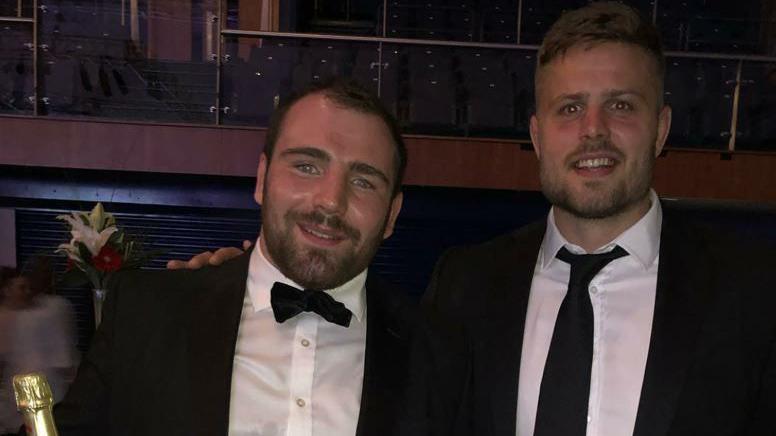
point(209, 258)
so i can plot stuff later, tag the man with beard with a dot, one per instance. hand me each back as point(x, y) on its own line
point(617, 315)
point(291, 338)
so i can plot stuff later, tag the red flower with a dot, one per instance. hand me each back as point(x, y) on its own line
point(107, 260)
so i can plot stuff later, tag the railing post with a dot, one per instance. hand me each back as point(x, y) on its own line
point(736, 98)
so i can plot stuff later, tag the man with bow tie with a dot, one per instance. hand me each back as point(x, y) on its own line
point(295, 337)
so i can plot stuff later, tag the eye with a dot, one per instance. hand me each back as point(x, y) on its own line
point(363, 183)
point(570, 109)
point(306, 168)
point(621, 106)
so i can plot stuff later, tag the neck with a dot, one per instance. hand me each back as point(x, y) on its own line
point(592, 234)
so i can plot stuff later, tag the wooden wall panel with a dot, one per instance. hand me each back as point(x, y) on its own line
point(453, 162)
point(127, 146)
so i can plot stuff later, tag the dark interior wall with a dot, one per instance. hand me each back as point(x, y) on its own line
point(183, 215)
point(187, 214)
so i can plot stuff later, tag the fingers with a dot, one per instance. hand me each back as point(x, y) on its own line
point(195, 262)
point(223, 254)
point(176, 264)
point(209, 258)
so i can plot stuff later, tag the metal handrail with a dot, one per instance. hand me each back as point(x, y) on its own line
point(16, 19)
point(380, 41)
point(468, 44)
point(376, 39)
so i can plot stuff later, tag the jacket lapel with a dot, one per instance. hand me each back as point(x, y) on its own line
point(387, 344)
point(214, 316)
point(684, 289)
point(499, 344)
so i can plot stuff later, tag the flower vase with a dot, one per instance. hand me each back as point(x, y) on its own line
point(98, 297)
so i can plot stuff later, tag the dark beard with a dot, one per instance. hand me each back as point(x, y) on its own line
point(314, 268)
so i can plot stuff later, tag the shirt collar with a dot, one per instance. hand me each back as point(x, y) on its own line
point(641, 240)
point(262, 275)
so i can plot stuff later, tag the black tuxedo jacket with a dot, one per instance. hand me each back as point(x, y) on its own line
point(711, 367)
point(161, 362)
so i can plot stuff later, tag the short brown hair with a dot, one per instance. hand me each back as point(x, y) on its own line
point(601, 22)
point(347, 94)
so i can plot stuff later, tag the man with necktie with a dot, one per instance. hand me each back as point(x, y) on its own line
point(618, 314)
point(295, 337)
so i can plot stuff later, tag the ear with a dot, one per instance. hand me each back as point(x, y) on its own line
point(261, 176)
point(393, 213)
point(533, 129)
point(663, 127)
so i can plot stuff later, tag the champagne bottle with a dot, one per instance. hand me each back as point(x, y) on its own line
point(34, 400)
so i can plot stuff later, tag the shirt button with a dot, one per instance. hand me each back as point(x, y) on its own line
point(593, 290)
point(300, 402)
point(305, 343)
point(589, 419)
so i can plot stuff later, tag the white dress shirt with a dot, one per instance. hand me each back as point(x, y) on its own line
point(623, 299)
point(302, 377)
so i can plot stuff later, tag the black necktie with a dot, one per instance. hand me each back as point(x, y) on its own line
point(288, 301)
point(565, 388)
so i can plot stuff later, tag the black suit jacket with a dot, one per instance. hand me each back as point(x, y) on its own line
point(711, 367)
point(161, 362)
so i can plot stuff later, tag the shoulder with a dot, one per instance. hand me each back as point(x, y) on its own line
point(738, 256)
point(390, 303)
point(733, 241)
point(485, 257)
point(175, 284)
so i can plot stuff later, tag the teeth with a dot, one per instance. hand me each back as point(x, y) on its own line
point(320, 235)
point(595, 163)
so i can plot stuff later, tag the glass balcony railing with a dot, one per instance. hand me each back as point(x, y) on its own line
point(193, 62)
point(756, 129)
point(17, 87)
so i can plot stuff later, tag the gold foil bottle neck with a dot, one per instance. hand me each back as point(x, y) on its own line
point(32, 391)
point(34, 400)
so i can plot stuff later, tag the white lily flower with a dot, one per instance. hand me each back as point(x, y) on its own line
point(97, 216)
point(92, 239)
point(70, 251)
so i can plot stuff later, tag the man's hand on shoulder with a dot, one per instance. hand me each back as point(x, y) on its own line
point(210, 258)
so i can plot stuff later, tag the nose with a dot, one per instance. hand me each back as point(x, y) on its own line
point(331, 194)
point(594, 124)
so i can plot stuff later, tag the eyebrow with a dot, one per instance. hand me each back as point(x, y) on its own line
point(621, 92)
point(312, 152)
point(609, 93)
point(575, 96)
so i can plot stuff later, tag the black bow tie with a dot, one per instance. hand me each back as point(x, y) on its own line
point(288, 301)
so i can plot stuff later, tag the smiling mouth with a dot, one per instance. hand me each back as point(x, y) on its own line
point(596, 163)
point(321, 234)
point(321, 237)
point(323, 230)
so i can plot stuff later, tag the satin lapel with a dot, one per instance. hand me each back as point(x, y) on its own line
point(384, 340)
point(214, 317)
point(500, 341)
point(684, 289)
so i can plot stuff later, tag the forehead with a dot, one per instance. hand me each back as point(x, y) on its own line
point(345, 134)
point(592, 69)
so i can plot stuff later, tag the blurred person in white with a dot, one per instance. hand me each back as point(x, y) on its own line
point(37, 334)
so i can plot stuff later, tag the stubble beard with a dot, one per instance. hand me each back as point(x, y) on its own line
point(316, 268)
point(602, 199)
